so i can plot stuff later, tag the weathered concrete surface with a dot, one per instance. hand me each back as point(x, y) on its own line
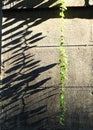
point(78, 32)
point(30, 86)
point(34, 28)
point(79, 84)
point(38, 63)
point(79, 108)
point(80, 66)
point(78, 3)
point(7, 4)
point(32, 107)
point(75, 3)
point(30, 91)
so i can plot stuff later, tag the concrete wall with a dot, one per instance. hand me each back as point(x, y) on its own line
point(30, 90)
point(30, 53)
point(79, 85)
point(7, 4)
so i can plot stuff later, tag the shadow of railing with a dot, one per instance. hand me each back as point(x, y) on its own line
point(24, 85)
point(79, 12)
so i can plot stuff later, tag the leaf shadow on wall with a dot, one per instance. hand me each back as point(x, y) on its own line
point(24, 92)
point(30, 4)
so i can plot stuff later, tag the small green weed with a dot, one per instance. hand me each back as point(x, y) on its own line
point(62, 63)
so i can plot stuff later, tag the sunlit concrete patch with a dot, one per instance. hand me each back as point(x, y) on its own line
point(79, 31)
point(80, 66)
point(73, 3)
point(90, 2)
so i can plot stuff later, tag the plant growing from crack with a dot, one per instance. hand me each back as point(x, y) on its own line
point(62, 62)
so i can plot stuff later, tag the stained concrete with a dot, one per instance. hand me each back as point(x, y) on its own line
point(31, 76)
point(80, 66)
point(29, 86)
point(79, 107)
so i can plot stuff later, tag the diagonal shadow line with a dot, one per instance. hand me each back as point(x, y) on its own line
point(32, 4)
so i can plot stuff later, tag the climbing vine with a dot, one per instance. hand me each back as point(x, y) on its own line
point(62, 62)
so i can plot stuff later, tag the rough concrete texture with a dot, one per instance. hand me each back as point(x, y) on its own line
point(80, 67)
point(30, 90)
point(79, 108)
point(31, 27)
point(79, 83)
point(75, 35)
point(79, 3)
point(37, 62)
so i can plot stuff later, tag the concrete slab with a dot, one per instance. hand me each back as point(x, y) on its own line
point(79, 108)
point(78, 31)
point(80, 66)
point(30, 86)
point(30, 60)
point(34, 63)
point(32, 28)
